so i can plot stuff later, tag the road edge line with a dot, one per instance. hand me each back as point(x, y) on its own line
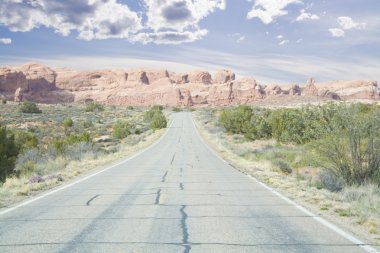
point(322, 221)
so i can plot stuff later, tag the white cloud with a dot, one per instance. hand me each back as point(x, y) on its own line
point(348, 23)
point(283, 42)
point(280, 37)
point(160, 22)
point(240, 39)
point(95, 19)
point(268, 10)
point(337, 32)
point(305, 16)
point(5, 41)
point(299, 41)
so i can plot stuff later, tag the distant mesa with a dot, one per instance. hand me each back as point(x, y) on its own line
point(143, 87)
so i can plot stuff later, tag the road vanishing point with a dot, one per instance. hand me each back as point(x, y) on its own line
point(176, 196)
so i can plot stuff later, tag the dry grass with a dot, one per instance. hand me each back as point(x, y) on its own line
point(357, 209)
point(16, 189)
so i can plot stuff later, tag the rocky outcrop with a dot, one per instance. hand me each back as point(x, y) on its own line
point(39, 77)
point(224, 76)
point(150, 87)
point(138, 77)
point(203, 77)
point(11, 79)
point(311, 89)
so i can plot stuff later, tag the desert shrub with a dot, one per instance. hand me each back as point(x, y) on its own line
point(79, 150)
point(3, 101)
point(121, 129)
point(158, 121)
point(176, 109)
point(68, 122)
point(352, 150)
point(330, 181)
point(286, 125)
point(235, 120)
point(8, 153)
point(155, 118)
point(60, 144)
point(283, 166)
point(29, 107)
point(26, 161)
point(94, 107)
point(25, 140)
point(87, 123)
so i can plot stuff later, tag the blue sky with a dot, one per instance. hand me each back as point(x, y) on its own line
point(271, 40)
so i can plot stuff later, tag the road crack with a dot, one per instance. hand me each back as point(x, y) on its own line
point(91, 199)
point(164, 177)
point(172, 159)
point(158, 196)
point(185, 232)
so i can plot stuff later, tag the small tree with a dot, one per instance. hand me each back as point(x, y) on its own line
point(8, 153)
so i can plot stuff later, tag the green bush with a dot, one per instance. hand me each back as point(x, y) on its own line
point(176, 109)
point(29, 107)
point(94, 107)
point(156, 118)
point(8, 153)
point(158, 121)
point(68, 122)
point(121, 129)
point(3, 101)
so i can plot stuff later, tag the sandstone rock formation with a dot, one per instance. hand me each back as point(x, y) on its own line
point(203, 77)
point(150, 87)
point(19, 95)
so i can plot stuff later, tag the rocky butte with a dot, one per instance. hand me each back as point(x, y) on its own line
point(38, 83)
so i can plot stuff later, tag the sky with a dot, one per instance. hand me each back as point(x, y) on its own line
point(283, 41)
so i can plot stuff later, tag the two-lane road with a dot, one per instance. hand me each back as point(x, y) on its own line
point(177, 196)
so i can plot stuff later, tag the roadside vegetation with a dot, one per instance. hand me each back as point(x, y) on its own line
point(328, 155)
point(42, 145)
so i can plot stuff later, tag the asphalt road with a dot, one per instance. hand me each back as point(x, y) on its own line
point(177, 196)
